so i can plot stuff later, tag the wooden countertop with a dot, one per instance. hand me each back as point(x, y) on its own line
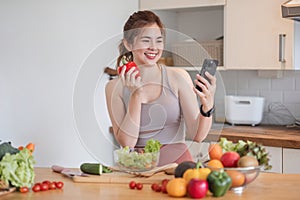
point(276, 136)
point(266, 186)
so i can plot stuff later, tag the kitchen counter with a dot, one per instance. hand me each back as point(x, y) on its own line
point(266, 186)
point(275, 136)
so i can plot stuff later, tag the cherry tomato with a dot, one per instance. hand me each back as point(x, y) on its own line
point(139, 186)
point(44, 186)
point(23, 189)
point(59, 184)
point(164, 188)
point(38, 184)
point(154, 186)
point(36, 188)
point(52, 186)
point(46, 182)
point(132, 185)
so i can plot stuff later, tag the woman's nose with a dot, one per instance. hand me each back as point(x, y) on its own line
point(152, 45)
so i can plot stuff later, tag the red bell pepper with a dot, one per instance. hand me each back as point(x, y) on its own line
point(128, 65)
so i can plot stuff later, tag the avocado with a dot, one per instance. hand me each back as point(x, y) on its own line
point(182, 167)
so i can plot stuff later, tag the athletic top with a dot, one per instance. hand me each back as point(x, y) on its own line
point(162, 118)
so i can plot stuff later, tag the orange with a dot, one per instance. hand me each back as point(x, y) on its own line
point(177, 187)
point(215, 164)
point(237, 178)
point(215, 151)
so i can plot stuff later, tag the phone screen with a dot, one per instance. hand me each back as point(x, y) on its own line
point(209, 65)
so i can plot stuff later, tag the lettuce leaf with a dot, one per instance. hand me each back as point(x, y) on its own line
point(152, 146)
point(17, 169)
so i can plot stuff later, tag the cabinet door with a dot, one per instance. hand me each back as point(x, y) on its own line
point(174, 4)
point(275, 159)
point(252, 29)
point(291, 161)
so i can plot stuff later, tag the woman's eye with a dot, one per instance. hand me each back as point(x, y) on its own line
point(145, 41)
point(159, 41)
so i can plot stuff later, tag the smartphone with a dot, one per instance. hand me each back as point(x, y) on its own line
point(209, 65)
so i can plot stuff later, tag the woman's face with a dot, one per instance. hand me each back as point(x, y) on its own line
point(148, 46)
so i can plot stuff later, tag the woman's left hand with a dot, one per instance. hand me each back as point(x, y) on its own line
point(208, 90)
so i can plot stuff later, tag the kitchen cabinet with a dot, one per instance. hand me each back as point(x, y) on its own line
point(176, 4)
point(291, 161)
point(251, 29)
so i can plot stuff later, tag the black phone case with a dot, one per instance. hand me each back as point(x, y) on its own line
point(209, 65)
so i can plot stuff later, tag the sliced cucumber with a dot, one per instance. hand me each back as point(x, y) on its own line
point(94, 168)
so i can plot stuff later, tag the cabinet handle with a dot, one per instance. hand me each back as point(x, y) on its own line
point(281, 47)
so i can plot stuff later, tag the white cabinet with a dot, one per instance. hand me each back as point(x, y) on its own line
point(291, 161)
point(175, 4)
point(252, 29)
point(275, 159)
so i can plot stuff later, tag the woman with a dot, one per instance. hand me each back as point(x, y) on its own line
point(155, 101)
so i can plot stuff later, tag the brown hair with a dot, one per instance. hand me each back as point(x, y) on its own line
point(132, 28)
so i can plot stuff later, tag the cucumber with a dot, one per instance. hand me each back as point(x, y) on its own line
point(94, 168)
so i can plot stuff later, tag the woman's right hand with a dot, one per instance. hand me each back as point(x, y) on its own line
point(133, 83)
point(129, 78)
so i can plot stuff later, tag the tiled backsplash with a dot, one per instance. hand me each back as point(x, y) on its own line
point(283, 92)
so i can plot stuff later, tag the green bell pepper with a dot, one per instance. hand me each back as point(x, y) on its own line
point(219, 183)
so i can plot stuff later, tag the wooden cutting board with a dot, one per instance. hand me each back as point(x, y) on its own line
point(121, 177)
point(7, 191)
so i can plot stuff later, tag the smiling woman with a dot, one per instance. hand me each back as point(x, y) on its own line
point(155, 101)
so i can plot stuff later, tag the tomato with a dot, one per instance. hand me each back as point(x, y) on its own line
point(59, 184)
point(36, 188)
point(24, 189)
point(164, 188)
point(177, 187)
point(132, 185)
point(52, 186)
point(139, 186)
point(46, 182)
point(230, 159)
point(164, 181)
point(154, 186)
point(44, 186)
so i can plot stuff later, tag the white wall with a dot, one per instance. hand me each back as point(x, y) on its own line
point(43, 45)
point(297, 46)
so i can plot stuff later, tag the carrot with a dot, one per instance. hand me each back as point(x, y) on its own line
point(30, 146)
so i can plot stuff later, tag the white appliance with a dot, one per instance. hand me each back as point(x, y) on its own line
point(244, 110)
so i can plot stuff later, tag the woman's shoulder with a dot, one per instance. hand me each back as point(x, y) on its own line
point(178, 73)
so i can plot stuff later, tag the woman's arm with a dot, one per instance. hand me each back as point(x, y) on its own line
point(125, 125)
point(197, 126)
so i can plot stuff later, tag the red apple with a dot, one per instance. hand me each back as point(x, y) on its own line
point(230, 159)
point(197, 188)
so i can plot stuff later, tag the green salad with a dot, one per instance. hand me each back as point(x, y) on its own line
point(139, 160)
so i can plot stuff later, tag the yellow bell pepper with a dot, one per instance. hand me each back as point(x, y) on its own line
point(199, 173)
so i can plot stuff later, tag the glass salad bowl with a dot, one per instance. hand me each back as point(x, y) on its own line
point(241, 176)
point(135, 160)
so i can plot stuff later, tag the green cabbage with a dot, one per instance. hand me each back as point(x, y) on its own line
point(17, 169)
